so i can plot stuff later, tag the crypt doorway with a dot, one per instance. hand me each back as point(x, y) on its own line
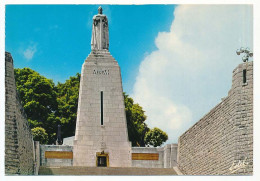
point(102, 159)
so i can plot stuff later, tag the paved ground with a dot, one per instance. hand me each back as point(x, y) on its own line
point(105, 171)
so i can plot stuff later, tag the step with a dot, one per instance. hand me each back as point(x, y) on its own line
point(77, 170)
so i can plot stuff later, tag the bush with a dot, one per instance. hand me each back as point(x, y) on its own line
point(155, 137)
point(39, 134)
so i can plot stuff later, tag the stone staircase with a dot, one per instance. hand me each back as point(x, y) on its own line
point(77, 170)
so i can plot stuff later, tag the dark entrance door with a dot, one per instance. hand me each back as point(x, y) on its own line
point(102, 161)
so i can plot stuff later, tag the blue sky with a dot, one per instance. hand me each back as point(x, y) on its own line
point(176, 61)
point(54, 40)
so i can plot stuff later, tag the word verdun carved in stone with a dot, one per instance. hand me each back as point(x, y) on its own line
point(101, 72)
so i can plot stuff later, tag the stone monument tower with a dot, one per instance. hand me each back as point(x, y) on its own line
point(101, 137)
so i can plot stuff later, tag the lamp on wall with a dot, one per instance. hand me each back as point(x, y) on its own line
point(247, 52)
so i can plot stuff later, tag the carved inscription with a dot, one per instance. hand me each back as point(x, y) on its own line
point(59, 154)
point(145, 156)
point(101, 72)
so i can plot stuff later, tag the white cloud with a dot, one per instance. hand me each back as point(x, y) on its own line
point(192, 68)
point(29, 52)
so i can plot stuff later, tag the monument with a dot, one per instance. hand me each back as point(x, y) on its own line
point(101, 137)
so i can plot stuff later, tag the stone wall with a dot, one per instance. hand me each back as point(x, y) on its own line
point(58, 156)
point(68, 141)
point(167, 157)
point(19, 157)
point(101, 122)
point(148, 163)
point(221, 143)
point(37, 157)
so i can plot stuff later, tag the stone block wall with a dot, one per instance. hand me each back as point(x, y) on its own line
point(37, 157)
point(68, 141)
point(148, 163)
point(101, 122)
point(57, 151)
point(19, 157)
point(167, 157)
point(221, 143)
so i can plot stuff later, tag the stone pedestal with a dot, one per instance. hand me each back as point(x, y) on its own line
point(101, 128)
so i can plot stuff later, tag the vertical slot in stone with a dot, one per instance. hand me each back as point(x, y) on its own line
point(101, 97)
point(244, 76)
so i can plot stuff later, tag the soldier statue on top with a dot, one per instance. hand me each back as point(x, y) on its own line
point(99, 40)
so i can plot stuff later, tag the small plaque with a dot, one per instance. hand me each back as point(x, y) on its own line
point(59, 154)
point(145, 156)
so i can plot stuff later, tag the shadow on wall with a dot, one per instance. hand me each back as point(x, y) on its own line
point(221, 143)
point(19, 148)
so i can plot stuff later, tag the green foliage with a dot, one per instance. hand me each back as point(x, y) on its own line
point(39, 99)
point(155, 137)
point(135, 122)
point(47, 105)
point(39, 134)
point(68, 94)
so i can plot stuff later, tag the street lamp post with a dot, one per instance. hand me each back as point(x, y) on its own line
point(247, 52)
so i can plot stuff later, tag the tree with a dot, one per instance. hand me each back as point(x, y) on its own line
point(39, 134)
point(47, 106)
point(155, 137)
point(68, 94)
point(135, 121)
point(39, 99)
